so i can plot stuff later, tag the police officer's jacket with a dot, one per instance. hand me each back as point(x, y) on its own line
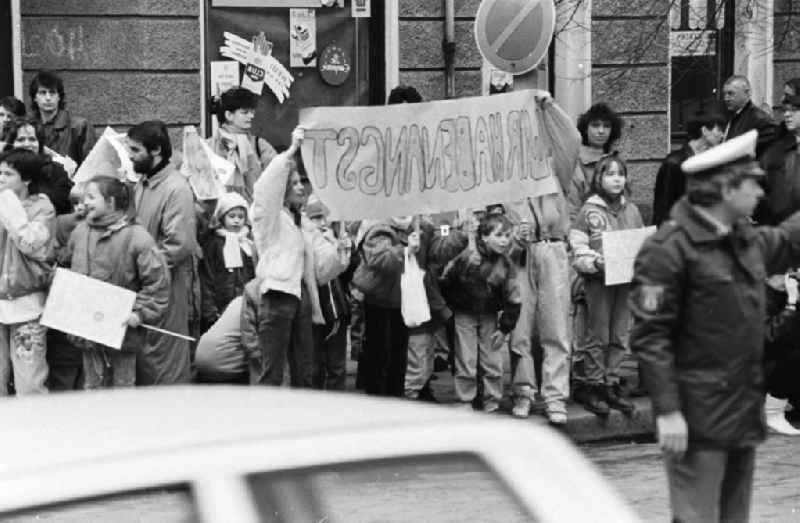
point(698, 301)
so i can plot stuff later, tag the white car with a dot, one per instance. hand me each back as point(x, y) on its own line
point(251, 454)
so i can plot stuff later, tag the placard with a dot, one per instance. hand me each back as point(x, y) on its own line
point(89, 308)
point(303, 38)
point(426, 158)
point(108, 157)
point(619, 251)
point(361, 8)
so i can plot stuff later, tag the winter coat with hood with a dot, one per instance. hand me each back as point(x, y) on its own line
point(125, 255)
point(478, 281)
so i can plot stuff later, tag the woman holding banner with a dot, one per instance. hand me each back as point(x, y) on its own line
point(234, 139)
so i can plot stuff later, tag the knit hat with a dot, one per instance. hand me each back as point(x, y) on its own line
point(315, 207)
point(228, 201)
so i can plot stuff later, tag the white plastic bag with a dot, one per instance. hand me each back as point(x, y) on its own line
point(413, 298)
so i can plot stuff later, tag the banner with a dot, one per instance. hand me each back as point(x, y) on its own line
point(89, 308)
point(619, 251)
point(207, 172)
point(379, 162)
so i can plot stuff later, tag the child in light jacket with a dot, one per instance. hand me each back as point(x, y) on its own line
point(608, 318)
point(478, 284)
point(228, 257)
point(27, 233)
point(108, 247)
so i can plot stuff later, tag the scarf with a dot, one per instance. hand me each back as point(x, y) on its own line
point(235, 243)
point(107, 220)
point(240, 150)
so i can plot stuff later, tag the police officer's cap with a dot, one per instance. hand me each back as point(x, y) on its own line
point(739, 151)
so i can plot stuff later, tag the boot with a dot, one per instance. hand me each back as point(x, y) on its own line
point(522, 407)
point(592, 399)
point(616, 400)
point(776, 417)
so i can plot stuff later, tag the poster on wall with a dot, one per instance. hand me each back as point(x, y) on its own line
point(361, 8)
point(224, 75)
point(260, 66)
point(303, 38)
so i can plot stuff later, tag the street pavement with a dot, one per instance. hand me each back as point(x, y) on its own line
point(637, 472)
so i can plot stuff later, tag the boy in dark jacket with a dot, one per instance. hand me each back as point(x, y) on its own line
point(479, 283)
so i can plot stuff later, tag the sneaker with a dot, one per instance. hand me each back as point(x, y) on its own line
point(522, 407)
point(616, 400)
point(557, 418)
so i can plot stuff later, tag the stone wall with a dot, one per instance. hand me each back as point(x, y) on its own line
point(630, 57)
point(123, 62)
point(421, 28)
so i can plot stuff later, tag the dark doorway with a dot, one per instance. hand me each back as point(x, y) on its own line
point(701, 60)
point(6, 56)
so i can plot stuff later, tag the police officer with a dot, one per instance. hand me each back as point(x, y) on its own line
point(698, 301)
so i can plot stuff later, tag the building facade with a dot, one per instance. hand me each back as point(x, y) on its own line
point(654, 61)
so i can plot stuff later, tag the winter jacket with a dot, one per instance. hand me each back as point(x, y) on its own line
point(595, 218)
point(670, 183)
point(581, 183)
point(69, 135)
point(289, 255)
point(383, 259)
point(124, 255)
point(27, 249)
point(698, 304)
point(781, 161)
point(219, 284)
point(486, 287)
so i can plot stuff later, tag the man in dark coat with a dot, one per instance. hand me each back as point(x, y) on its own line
point(705, 130)
point(745, 116)
point(698, 300)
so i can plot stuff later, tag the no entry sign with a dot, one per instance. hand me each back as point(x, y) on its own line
point(513, 35)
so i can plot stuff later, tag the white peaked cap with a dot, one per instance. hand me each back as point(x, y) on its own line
point(740, 148)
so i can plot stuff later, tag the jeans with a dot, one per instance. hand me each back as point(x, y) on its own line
point(284, 330)
point(421, 353)
point(608, 329)
point(710, 485)
point(330, 356)
point(474, 350)
point(108, 368)
point(545, 293)
point(23, 350)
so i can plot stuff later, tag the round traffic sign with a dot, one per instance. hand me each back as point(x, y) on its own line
point(513, 35)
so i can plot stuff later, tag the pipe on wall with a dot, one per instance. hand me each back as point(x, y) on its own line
point(449, 48)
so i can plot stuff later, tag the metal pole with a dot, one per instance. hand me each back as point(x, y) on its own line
point(449, 48)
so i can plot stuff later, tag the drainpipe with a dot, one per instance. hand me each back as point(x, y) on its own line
point(449, 48)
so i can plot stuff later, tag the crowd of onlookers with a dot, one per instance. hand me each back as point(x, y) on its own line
point(275, 293)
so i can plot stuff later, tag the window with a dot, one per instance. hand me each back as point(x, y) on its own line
point(165, 505)
point(455, 488)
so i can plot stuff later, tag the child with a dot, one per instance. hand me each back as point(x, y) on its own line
point(108, 247)
point(479, 283)
point(608, 318)
point(27, 230)
point(330, 339)
point(228, 258)
point(64, 359)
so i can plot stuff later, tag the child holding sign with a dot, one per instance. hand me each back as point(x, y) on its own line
point(479, 283)
point(608, 318)
point(108, 247)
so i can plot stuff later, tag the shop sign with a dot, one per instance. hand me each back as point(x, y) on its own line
point(361, 8)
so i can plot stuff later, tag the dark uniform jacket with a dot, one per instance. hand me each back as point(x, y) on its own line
point(698, 304)
point(781, 161)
